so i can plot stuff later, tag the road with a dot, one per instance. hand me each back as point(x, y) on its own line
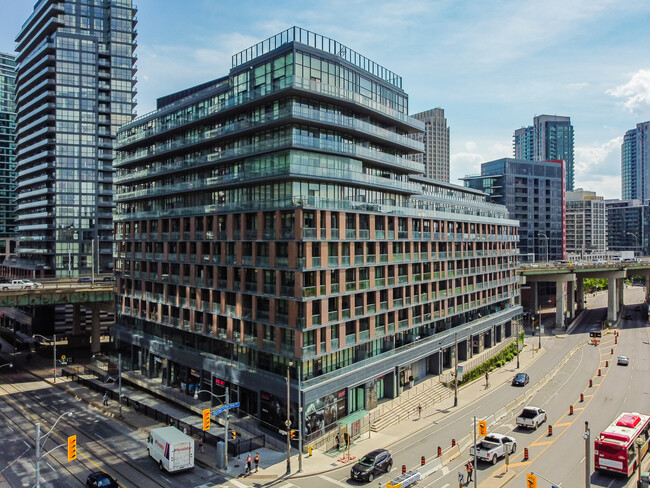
point(103, 443)
point(559, 457)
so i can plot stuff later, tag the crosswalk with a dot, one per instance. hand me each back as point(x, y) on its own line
point(234, 483)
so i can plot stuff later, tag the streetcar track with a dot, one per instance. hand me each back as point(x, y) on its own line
point(87, 446)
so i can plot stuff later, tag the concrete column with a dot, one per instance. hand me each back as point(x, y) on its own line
point(580, 293)
point(621, 294)
point(76, 319)
point(95, 345)
point(534, 297)
point(647, 287)
point(559, 304)
point(570, 292)
point(611, 299)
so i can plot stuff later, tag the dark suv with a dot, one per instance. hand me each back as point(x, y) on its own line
point(373, 463)
point(101, 480)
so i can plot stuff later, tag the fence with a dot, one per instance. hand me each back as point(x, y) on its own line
point(235, 446)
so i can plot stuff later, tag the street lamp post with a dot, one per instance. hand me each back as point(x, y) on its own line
point(288, 421)
point(218, 397)
point(11, 365)
point(39, 447)
point(518, 344)
point(543, 234)
point(636, 237)
point(456, 368)
point(299, 419)
point(639, 442)
point(587, 437)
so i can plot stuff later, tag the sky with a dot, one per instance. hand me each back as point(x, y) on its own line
point(491, 65)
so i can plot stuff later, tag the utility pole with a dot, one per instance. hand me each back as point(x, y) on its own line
point(587, 437)
point(475, 471)
point(456, 369)
point(54, 359)
point(300, 418)
point(38, 455)
point(288, 421)
point(518, 345)
point(119, 381)
point(226, 426)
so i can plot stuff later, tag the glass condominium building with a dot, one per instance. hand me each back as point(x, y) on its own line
point(549, 138)
point(74, 89)
point(7, 152)
point(635, 163)
point(270, 221)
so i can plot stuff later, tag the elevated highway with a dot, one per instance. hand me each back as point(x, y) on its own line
point(573, 274)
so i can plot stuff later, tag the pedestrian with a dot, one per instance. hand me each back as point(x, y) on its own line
point(346, 440)
point(185, 430)
point(257, 461)
point(487, 379)
point(470, 469)
point(338, 442)
point(201, 445)
point(105, 398)
point(460, 478)
point(137, 407)
point(248, 464)
point(419, 410)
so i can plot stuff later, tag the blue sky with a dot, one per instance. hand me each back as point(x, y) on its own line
point(492, 65)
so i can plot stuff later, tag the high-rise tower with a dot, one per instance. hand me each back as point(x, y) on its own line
point(436, 144)
point(7, 158)
point(635, 163)
point(549, 138)
point(74, 88)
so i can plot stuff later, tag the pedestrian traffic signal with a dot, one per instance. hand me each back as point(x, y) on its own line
point(482, 427)
point(72, 447)
point(234, 434)
point(531, 480)
point(292, 434)
point(206, 419)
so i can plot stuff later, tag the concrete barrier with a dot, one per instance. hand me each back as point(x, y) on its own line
point(431, 467)
point(449, 454)
point(502, 412)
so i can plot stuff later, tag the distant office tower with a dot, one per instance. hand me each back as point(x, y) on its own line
point(534, 194)
point(74, 88)
point(586, 223)
point(7, 159)
point(436, 144)
point(635, 163)
point(628, 226)
point(549, 138)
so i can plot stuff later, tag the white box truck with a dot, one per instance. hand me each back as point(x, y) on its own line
point(171, 449)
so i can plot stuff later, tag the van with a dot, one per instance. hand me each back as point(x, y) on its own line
point(171, 449)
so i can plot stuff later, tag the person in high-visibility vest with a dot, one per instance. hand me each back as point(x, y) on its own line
point(470, 470)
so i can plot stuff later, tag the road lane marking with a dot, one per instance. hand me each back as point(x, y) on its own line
point(333, 481)
point(168, 481)
point(541, 443)
point(562, 424)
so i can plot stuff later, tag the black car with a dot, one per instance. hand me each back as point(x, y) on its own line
point(85, 280)
point(375, 462)
point(520, 379)
point(100, 480)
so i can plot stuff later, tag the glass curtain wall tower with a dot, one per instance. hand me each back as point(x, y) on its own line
point(7, 153)
point(549, 138)
point(75, 87)
point(635, 164)
point(272, 216)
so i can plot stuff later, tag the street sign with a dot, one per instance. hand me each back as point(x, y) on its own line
point(459, 375)
point(232, 405)
point(226, 407)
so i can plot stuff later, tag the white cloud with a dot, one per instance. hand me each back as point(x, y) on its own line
point(600, 159)
point(636, 91)
point(606, 186)
point(468, 161)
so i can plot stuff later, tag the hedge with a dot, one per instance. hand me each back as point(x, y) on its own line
point(506, 354)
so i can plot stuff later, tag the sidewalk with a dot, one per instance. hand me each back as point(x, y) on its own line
point(322, 462)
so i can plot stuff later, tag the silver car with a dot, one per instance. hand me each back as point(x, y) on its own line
point(623, 360)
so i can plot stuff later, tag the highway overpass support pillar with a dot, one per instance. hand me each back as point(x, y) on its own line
point(580, 293)
point(534, 298)
point(570, 295)
point(76, 319)
point(95, 346)
point(560, 304)
point(612, 288)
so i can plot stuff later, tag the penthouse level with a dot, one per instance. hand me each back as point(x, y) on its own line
point(289, 227)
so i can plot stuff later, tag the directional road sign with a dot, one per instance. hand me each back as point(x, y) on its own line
point(226, 407)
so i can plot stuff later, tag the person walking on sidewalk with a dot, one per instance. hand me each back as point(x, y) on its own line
point(338, 442)
point(249, 464)
point(419, 411)
point(201, 445)
point(460, 479)
point(487, 379)
point(105, 398)
point(470, 470)
point(256, 459)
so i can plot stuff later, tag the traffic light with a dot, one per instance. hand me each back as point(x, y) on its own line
point(206, 419)
point(531, 480)
point(72, 447)
point(292, 434)
point(234, 434)
point(482, 427)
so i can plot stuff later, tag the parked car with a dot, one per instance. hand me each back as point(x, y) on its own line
point(85, 279)
point(494, 446)
point(520, 379)
point(623, 360)
point(99, 479)
point(531, 417)
point(19, 285)
point(373, 463)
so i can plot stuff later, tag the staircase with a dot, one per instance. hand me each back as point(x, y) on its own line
point(429, 393)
